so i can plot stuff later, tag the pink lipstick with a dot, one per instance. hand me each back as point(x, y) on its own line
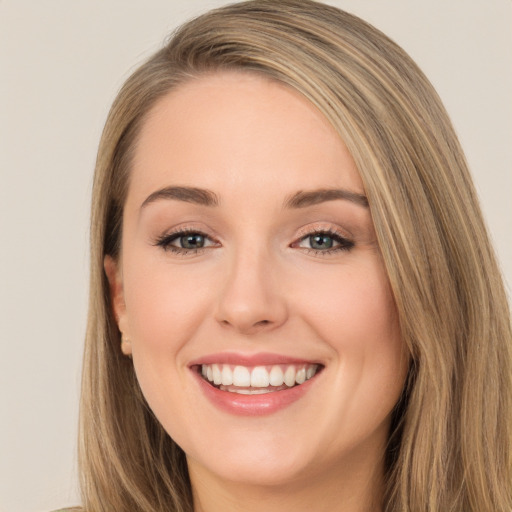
point(254, 384)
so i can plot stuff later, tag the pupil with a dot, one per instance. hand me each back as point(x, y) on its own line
point(320, 241)
point(192, 241)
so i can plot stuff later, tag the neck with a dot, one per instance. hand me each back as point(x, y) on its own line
point(337, 490)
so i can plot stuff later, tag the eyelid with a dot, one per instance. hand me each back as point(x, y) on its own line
point(189, 228)
point(164, 241)
point(324, 227)
point(345, 243)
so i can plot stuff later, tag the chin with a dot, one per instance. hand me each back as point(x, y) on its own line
point(255, 457)
point(258, 471)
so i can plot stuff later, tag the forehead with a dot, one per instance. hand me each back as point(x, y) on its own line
point(229, 129)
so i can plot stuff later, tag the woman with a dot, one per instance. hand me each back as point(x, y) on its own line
point(294, 302)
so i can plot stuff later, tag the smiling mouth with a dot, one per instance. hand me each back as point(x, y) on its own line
point(257, 380)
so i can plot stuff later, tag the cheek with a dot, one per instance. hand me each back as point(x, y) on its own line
point(165, 308)
point(353, 308)
point(357, 317)
point(164, 304)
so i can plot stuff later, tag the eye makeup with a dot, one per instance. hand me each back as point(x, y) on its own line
point(186, 241)
point(316, 241)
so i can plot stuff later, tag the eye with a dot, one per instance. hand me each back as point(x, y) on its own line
point(185, 242)
point(191, 241)
point(324, 242)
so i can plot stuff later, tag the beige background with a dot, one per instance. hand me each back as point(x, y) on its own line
point(61, 63)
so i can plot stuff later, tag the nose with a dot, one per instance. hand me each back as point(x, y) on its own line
point(251, 299)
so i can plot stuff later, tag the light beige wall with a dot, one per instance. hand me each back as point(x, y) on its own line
point(61, 63)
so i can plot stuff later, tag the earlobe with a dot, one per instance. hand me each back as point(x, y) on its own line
point(126, 346)
point(115, 282)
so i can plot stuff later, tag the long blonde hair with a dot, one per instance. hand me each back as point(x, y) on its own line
point(449, 448)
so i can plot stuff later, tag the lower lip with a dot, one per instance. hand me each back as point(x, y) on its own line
point(253, 405)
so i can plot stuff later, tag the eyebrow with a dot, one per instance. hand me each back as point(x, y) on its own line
point(194, 195)
point(301, 199)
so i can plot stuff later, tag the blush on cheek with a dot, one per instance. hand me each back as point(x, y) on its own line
point(362, 310)
point(164, 305)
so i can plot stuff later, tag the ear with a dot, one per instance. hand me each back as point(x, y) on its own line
point(115, 281)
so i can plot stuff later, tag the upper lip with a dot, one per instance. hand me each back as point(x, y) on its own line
point(257, 359)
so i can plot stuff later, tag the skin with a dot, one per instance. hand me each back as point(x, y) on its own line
point(259, 286)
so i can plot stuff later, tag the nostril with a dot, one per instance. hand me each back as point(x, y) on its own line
point(249, 327)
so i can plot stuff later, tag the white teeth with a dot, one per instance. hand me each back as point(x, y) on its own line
point(241, 376)
point(227, 375)
point(289, 376)
point(300, 377)
point(259, 377)
point(217, 376)
point(276, 377)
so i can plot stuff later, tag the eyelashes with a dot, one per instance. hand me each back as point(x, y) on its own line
point(186, 241)
point(324, 242)
point(319, 242)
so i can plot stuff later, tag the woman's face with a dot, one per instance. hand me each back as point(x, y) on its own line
point(249, 252)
